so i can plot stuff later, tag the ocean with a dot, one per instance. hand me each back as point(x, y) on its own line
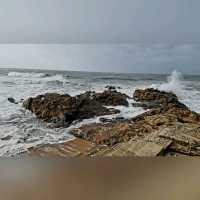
point(20, 129)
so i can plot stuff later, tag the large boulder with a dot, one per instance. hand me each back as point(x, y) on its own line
point(157, 97)
point(154, 95)
point(52, 107)
point(12, 100)
point(111, 98)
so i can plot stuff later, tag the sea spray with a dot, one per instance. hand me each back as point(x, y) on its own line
point(175, 83)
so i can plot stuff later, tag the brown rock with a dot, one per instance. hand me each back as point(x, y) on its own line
point(111, 98)
point(55, 108)
point(170, 127)
point(168, 114)
point(165, 99)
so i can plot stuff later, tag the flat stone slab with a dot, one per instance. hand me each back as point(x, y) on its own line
point(150, 146)
point(187, 134)
point(70, 148)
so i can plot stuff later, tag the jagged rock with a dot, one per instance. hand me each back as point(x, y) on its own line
point(116, 119)
point(110, 87)
point(114, 132)
point(105, 120)
point(12, 100)
point(56, 108)
point(111, 98)
point(150, 94)
point(164, 99)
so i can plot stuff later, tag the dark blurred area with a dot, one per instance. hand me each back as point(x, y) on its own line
point(156, 178)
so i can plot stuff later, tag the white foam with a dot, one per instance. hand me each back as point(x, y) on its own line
point(174, 83)
point(26, 75)
point(54, 79)
point(125, 112)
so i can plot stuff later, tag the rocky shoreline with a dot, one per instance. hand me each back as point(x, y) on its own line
point(167, 128)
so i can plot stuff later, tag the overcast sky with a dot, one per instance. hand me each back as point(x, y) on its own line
point(74, 21)
point(168, 30)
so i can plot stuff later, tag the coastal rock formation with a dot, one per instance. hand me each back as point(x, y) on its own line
point(167, 104)
point(52, 107)
point(167, 128)
point(170, 114)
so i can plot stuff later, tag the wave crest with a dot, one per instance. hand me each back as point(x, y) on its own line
point(27, 75)
point(174, 83)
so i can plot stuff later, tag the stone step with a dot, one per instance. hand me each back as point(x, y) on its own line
point(70, 148)
point(149, 146)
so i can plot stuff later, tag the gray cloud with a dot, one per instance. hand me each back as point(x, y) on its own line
point(99, 21)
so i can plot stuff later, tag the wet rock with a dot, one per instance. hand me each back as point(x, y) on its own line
point(110, 87)
point(12, 100)
point(5, 138)
point(147, 105)
point(151, 94)
point(162, 99)
point(111, 98)
point(119, 119)
point(57, 108)
point(116, 119)
point(105, 120)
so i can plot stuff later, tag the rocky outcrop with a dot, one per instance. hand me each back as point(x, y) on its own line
point(56, 108)
point(12, 100)
point(166, 103)
point(169, 113)
point(110, 87)
point(153, 96)
point(111, 98)
point(167, 128)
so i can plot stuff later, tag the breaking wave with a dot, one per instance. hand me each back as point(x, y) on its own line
point(56, 79)
point(27, 75)
point(175, 83)
point(37, 78)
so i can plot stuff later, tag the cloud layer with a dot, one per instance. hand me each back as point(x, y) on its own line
point(99, 21)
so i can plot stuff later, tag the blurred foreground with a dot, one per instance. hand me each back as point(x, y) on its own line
point(115, 179)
